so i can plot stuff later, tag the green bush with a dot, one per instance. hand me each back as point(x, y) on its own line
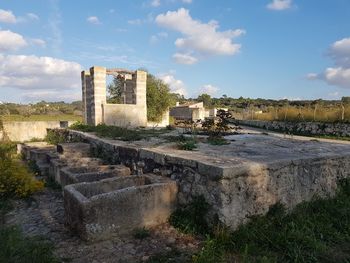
point(15, 178)
point(191, 218)
point(55, 137)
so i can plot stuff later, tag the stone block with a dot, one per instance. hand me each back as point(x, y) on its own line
point(117, 206)
point(73, 175)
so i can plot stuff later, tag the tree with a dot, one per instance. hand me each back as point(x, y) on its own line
point(159, 98)
point(206, 99)
point(158, 95)
point(115, 89)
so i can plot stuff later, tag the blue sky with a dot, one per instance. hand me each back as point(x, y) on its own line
point(293, 49)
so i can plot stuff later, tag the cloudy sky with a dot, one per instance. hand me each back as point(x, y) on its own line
point(293, 49)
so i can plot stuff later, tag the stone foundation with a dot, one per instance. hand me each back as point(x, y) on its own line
point(239, 180)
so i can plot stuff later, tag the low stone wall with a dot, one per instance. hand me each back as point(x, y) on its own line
point(301, 128)
point(21, 131)
point(235, 193)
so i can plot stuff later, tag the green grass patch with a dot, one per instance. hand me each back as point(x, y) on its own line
point(183, 142)
point(191, 218)
point(59, 117)
point(316, 231)
point(14, 247)
point(141, 233)
point(217, 140)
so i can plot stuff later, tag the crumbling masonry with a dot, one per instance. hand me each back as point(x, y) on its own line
point(133, 111)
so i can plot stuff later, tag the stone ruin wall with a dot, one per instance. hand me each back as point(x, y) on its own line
point(233, 196)
point(96, 109)
point(306, 128)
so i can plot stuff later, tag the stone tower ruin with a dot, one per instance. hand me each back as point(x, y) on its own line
point(133, 110)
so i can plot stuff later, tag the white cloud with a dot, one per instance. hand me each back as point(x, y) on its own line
point(10, 41)
point(38, 42)
point(279, 5)
point(340, 74)
point(175, 85)
point(186, 59)
point(340, 52)
point(138, 21)
point(38, 73)
point(198, 37)
point(155, 38)
point(6, 16)
point(93, 20)
point(155, 3)
point(135, 22)
point(32, 16)
point(209, 89)
point(187, 1)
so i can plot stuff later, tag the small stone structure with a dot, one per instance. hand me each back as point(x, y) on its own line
point(96, 110)
point(73, 175)
point(193, 112)
point(99, 210)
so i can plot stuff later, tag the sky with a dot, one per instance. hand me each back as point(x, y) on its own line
point(294, 49)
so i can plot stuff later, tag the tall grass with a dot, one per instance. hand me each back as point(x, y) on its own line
point(293, 113)
point(316, 231)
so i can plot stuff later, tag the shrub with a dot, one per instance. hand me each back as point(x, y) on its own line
point(217, 140)
point(56, 136)
point(191, 218)
point(141, 233)
point(15, 178)
point(188, 145)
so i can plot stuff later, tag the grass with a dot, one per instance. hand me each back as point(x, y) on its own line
point(119, 133)
point(172, 256)
point(217, 140)
point(141, 233)
point(316, 231)
point(183, 142)
point(15, 247)
point(191, 218)
point(60, 117)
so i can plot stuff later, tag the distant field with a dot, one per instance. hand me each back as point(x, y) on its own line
point(61, 117)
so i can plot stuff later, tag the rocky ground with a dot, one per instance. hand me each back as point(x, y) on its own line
point(43, 215)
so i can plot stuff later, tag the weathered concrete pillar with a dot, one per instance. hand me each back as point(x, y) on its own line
point(85, 81)
point(140, 94)
point(98, 81)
